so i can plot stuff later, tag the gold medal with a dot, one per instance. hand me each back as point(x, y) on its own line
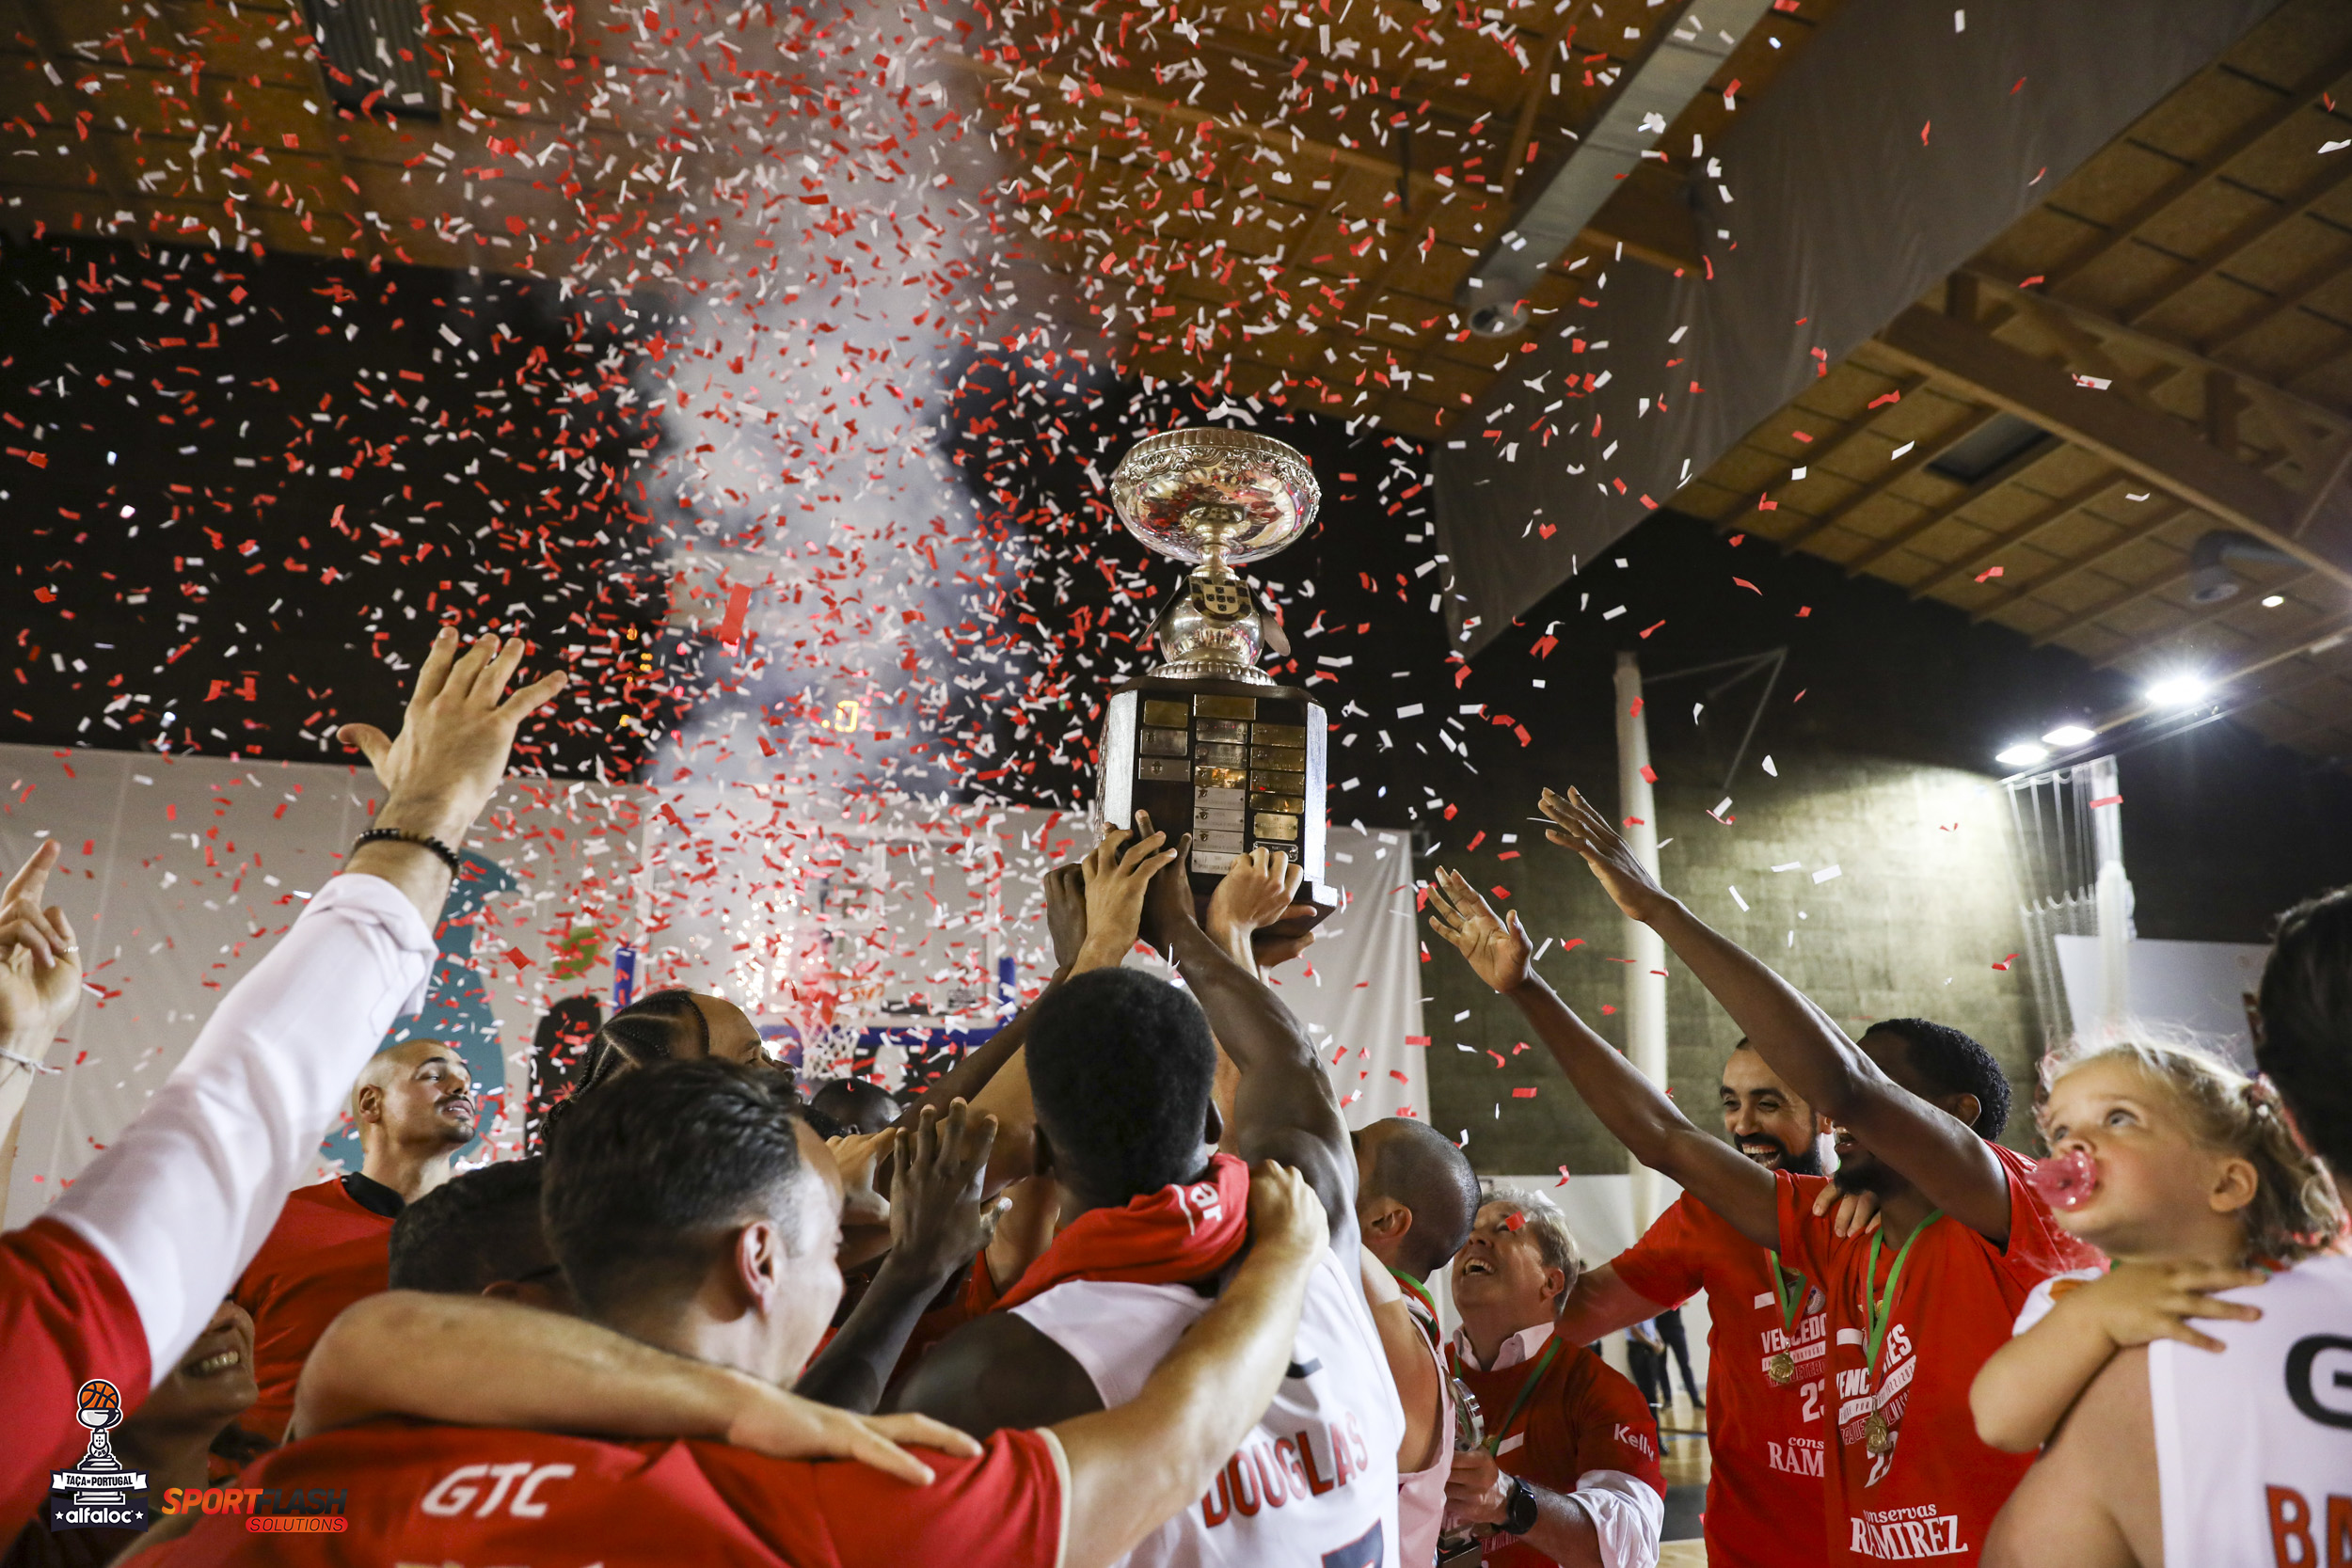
point(1876, 1435)
point(1781, 1367)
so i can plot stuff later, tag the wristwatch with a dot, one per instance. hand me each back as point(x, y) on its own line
point(1518, 1511)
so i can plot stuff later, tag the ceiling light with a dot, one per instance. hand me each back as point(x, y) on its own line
point(2024, 754)
point(2176, 691)
point(2274, 601)
point(2070, 734)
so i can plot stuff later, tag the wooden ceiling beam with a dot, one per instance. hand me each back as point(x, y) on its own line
point(2186, 356)
point(2246, 235)
point(2316, 643)
point(2015, 467)
point(1289, 142)
point(1856, 427)
point(2166, 512)
point(2167, 452)
point(1923, 453)
point(2205, 615)
point(2110, 605)
point(2294, 296)
point(2058, 511)
point(2304, 94)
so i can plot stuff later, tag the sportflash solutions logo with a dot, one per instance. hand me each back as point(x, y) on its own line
point(100, 1493)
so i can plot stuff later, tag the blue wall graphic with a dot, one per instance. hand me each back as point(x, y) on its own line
point(456, 1006)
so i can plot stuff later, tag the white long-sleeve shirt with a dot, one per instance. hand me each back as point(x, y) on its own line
point(181, 1201)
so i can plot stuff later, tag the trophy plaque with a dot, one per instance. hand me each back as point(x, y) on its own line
point(1207, 742)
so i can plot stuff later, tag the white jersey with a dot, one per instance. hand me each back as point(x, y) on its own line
point(1420, 1496)
point(2255, 1443)
point(1315, 1484)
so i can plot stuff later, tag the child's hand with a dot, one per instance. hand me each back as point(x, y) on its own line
point(2136, 1303)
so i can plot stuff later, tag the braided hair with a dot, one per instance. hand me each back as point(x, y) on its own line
point(651, 1029)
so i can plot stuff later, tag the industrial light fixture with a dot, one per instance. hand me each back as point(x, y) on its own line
point(2176, 691)
point(2023, 754)
point(2067, 736)
point(2211, 580)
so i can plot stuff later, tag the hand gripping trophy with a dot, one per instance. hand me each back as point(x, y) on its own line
point(1207, 742)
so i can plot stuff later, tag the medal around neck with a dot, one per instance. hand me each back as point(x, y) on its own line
point(1207, 742)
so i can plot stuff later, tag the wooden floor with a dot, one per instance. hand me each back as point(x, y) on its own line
point(1685, 1463)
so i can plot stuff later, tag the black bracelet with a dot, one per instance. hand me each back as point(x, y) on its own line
point(449, 857)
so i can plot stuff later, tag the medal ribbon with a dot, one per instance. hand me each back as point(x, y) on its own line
point(1414, 1289)
point(1527, 1390)
point(1790, 1296)
point(1879, 1307)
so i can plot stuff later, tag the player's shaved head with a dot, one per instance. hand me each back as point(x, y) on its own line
point(854, 1104)
point(392, 1063)
point(1415, 1165)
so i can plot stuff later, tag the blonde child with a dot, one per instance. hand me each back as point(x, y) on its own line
point(2188, 1177)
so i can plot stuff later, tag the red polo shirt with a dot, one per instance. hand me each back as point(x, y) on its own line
point(326, 1252)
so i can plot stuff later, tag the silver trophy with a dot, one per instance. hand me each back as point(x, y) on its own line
point(1207, 742)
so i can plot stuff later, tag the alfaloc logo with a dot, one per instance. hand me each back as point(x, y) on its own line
point(99, 1494)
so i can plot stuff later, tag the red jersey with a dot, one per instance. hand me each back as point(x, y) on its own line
point(1584, 1416)
point(413, 1493)
point(1934, 1491)
point(65, 1318)
point(1766, 1437)
point(326, 1252)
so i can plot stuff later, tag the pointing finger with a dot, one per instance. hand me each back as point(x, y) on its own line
point(32, 879)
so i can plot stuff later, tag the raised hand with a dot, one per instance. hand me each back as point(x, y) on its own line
point(1117, 873)
point(1254, 894)
point(41, 967)
point(1066, 912)
point(1497, 948)
point(1285, 1215)
point(1584, 830)
point(859, 1155)
point(452, 749)
point(1167, 903)
point(938, 1218)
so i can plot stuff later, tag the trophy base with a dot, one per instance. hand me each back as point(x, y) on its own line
point(1238, 764)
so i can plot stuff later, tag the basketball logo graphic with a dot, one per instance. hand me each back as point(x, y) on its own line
point(101, 1405)
point(101, 1494)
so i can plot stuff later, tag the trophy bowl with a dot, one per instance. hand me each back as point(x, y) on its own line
point(1191, 493)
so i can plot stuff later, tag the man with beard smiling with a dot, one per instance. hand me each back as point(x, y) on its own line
point(414, 1106)
point(1914, 1308)
point(1767, 1331)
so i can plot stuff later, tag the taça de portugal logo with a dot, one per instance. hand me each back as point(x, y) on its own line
point(99, 1494)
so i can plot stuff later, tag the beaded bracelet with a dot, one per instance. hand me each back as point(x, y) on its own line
point(449, 857)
